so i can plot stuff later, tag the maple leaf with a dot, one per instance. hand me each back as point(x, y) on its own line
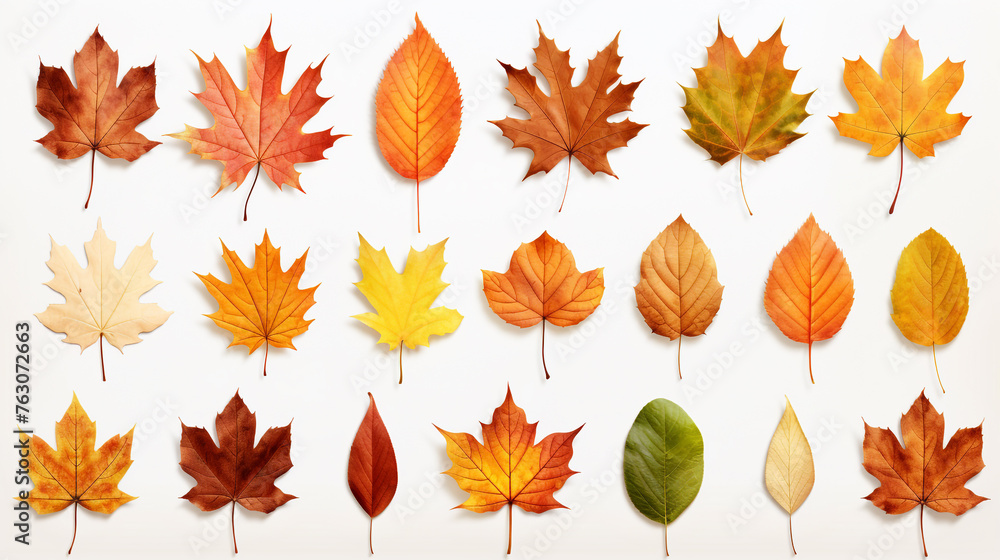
point(509, 468)
point(543, 285)
point(76, 472)
point(418, 109)
point(102, 302)
point(371, 467)
point(97, 115)
point(744, 106)
point(809, 291)
point(259, 126)
point(236, 471)
point(678, 291)
point(925, 472)
point(263, 304)
point(930, 297)
point(901, 107)
point(402, 302)
point(572, 121)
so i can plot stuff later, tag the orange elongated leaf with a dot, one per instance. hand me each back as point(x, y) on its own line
point(678, 292)
point(263, 304)
point(259, 126)
point(930, 297)
point(543, 285)
point(571, 121)
point(901, 107)
point(744, 106)
point(418, 109)
point(371, 468)
point(926, 472)
point(509, 468)
point(75, 472)
point(236, 471)
point(809, 290)
point(97, 115)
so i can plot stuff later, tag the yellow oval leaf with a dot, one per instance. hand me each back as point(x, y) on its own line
point(789, 472)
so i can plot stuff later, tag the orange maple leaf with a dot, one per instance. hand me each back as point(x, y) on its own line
point(509, 468)
point(97, 115)
point(901, 107)
point(543, 285)
point(572, 120)
point(925, 472)
point(259, 126)
point(263, 304)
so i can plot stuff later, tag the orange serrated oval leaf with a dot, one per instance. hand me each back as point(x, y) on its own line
point(263, 304)
point(809, 290)
point(371, 468)
point(572, 121)
point(901, 107)
point(418, 109)
point(75, 473)
point(259, 126)
point(543, 284)
point(744, 105)
point(97, 115)
point(925, 472)
point(930, 297)
point(509, 468)
point(678, 291)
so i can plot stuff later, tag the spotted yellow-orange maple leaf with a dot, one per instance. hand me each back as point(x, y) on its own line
point(901, 108)
point(263, 304)
point(259, 126)
point(509, 468)
point(76, 472)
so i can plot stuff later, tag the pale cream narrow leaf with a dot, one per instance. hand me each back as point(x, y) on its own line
point(789, 472)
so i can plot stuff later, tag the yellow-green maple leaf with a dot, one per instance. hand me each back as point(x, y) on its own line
point(402, 302)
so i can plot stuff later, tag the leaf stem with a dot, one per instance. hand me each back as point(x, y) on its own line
point(236, 549)
point(252, 185)
point(75, 505)
point(544, 367)
point(569, 165)
point(93, 156)
point(934, 353)
point(400, 363)
point(900, 184)
point(743, 192)
point(510, 524)
point(371, 521)
point(666, 549)
point(418, 204)
point(790, 536)
point(100, 344)
point(266, 348)
point(811, 363)
point(922, 541)
point(679, 376)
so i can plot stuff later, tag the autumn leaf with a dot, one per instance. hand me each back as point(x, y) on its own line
point(901, 107)
point(678, 291)
point(809, 290)
point(509, 468)
point(102, 302)
point(259, 126)
point(925, 472)
point(263, 304)
point(236, 471)
point(744, 106)
point(543, 285)
point(76, 472)
point(930, 297)
point(418, 109)
point(789, 472)
point(571, 121)
point(664, 462)
point(97, 115)
point(402, 302)
point(371, 468)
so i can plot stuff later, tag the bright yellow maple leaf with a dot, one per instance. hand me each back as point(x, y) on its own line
point(402, 302)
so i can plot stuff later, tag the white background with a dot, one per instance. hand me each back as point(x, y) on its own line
point(603, 370)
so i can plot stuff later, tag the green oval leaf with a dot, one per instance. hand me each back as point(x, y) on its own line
point(664, 461)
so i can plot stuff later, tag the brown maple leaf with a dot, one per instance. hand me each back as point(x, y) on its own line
point(236, 471)
point(573, 120)
point(96, 115)
point(925, 472)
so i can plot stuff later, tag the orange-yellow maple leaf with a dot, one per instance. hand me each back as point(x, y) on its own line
point(263, 304)
point(901, 107)
point(259, 126)
point(509, 468)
